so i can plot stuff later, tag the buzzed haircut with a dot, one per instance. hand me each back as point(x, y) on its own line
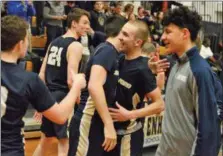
point(75, 15)
point(142, 29)
point(13, 30)
point(147, 48)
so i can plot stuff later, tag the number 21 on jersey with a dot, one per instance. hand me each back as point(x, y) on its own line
point(54, 57)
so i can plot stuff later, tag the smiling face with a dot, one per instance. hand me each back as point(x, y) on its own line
point(127, 37)
point(82, 26)
point(173, 38)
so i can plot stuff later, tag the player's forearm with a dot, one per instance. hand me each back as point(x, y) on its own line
point(154, 108)
point(42, 76)
point(67, 104)
point(98, 96)
point(160, 80)
point(42, 69)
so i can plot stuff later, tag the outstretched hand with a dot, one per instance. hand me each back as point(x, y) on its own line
point(158, 66)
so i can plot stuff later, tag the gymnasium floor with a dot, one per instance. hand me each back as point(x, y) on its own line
point(32, 143)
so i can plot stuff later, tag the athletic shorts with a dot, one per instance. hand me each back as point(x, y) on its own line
point(13, 153)
point(86, 136)
point(51, 129)
point(128, 145)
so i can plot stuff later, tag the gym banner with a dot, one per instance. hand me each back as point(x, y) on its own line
point(152, 130)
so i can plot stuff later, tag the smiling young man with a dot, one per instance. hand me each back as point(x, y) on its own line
point(191, 125)
point(62, 58)
point(91, 129)
point(135, 82)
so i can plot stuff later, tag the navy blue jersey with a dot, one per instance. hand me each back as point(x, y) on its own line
point(106, 56)
point(135, 81)
point(18, 89)
point(56, 66)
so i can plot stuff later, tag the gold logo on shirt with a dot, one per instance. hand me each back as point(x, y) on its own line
point(124, 83)
point(101, 20)
point(116, 73)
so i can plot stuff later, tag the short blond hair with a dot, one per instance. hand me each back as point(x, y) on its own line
point(148, 48)
point(142, 30)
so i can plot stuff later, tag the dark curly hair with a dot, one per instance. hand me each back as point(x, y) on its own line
point(184, 18)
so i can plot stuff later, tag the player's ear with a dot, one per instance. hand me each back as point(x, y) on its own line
point(74, 24)
point(186, 33)
point(138, 42)
point(19, 45)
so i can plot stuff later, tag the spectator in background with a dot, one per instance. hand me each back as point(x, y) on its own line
point(69, 6)
point(128, 12)
point(206, 51)
point(144, 15)
point(98, 16)
point(23, 9)
point(86, 5)
point(150, 51)
point(54, 16)
point(107, 9)
point(39, 5)
point(90, 42)
point(158, 27)
point(117, 8)
point(67, 9)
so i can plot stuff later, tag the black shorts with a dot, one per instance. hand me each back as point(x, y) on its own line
point(51, 129)
point(13, 153)
point(128, 145)
point(86, 136)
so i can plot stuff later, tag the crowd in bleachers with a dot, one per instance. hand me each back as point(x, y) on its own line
point(51, 16)
point(52, 19)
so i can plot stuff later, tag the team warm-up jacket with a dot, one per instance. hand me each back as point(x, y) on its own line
point(191, 123)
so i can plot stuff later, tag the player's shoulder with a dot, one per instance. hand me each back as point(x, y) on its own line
point(105, 46)
point(142, 63)
point(75, 45)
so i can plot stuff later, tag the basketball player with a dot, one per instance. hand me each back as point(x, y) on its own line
point(19, 88)
point(64, 55)
point(135, 82)
point(91, 129)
